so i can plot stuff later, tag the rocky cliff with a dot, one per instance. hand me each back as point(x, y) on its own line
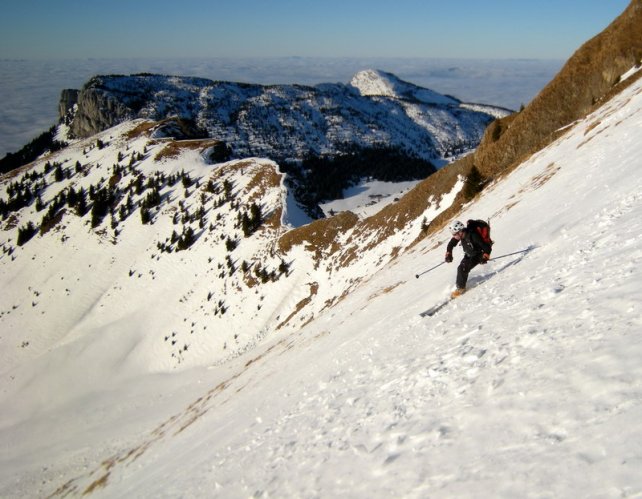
point(588, 77)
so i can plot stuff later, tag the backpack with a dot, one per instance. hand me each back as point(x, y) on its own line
point(482, 228)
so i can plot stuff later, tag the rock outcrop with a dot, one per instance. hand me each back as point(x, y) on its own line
point(68, 99)
point(96, 110)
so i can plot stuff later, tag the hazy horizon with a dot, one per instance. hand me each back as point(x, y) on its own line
point(547, 29)
point(31, 88)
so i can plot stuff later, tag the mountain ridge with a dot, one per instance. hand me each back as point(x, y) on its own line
point(370, 82)
point(567, 98)
point(587, 78)
point(233, 112)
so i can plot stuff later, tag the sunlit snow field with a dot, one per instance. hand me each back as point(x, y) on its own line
point(529, 385)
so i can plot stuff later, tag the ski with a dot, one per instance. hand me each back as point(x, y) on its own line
point(476, 282)
point(433, 310)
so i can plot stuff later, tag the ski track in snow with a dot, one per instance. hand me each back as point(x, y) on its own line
point(529, 385)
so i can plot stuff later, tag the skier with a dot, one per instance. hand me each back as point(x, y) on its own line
point(476, 251)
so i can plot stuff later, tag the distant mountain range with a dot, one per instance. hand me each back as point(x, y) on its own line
point(289, 122)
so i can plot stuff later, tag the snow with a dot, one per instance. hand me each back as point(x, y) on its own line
point(293, 215)
point(630, 72)
point(528, 385)
point(376, 82)
point(368, 197)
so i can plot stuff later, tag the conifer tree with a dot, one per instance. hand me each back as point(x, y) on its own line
point(72, 197)
point(145, 217)
point(81, 205)
point(186, 239)
point(59, 174)
point(250, 223)
point(474, 183)
point(25, 233)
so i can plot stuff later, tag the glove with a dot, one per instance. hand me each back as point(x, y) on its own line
point(484, 259)
point(449, 257)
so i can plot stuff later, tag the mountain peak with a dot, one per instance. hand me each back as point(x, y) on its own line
point(374, 82)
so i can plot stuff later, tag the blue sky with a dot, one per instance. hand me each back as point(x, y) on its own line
point(546, 29)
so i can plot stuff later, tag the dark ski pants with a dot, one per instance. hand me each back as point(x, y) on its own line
point(467, 264)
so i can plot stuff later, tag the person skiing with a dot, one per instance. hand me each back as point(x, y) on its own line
point(476, 251)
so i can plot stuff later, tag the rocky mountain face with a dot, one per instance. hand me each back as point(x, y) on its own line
point(289, 122)
point(592, 76)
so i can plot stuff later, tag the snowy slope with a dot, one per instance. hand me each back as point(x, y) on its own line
point(376, 82)
point(528, 385)
point(368, 197)
point(69, 284)
point(373, 82)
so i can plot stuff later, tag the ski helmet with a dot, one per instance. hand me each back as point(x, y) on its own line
point(456, 226)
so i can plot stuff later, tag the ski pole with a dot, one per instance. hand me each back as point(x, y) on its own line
point(426, 271)
point(491, 260)
point(511, 254)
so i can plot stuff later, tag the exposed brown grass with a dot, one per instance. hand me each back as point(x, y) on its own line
point(592, 126)
point(314, 288)
point(320, 236)
point(385, 290)
point(68, 488)
point(142, 129)
point(539, 180)
point(238, 166)
point(585, 81)
point(17, 171)
point(264, 178)
point(273, 220)
point(174, 147)
point(396, 216)
point(96, 484)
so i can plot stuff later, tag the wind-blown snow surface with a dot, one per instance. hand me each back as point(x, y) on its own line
point(528, 385)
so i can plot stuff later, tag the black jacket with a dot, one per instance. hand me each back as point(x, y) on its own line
point(472, 243)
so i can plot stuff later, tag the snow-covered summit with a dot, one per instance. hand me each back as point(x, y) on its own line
point(377, 82)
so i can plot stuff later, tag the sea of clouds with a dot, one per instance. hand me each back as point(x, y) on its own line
point(30, 89)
